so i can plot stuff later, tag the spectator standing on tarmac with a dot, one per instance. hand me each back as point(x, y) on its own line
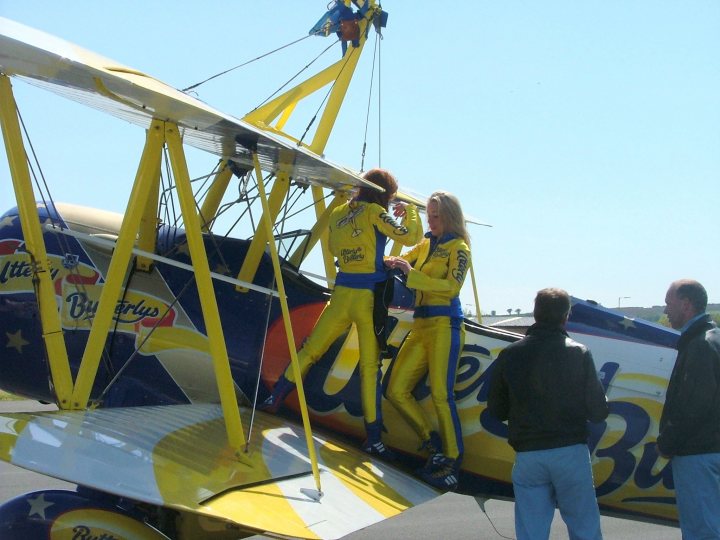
point(546, 387)
point(690, 421)
point(435, 270)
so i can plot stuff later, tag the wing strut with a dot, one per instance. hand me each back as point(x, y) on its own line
point(286, 320)
point(478, 314)
point(35, 245)
point(282, 107)
point(319, 233)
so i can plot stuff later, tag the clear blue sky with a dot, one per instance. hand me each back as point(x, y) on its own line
point(587, 133)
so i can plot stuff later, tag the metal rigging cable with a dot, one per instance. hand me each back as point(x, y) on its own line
point(367, 115)
point(193, 86)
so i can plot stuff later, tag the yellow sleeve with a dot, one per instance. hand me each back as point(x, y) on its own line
point(414, 254)
point(407, 233)
point(458, 264)
point(413, 223)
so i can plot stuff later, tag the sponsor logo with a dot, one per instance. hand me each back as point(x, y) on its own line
point(20, 269)
point(354, 212)
point(462, 265)
point(400, 230)
point(352, 255)
point(79, 307)
point(440, 253)
point(628, 468)
point(83, 532)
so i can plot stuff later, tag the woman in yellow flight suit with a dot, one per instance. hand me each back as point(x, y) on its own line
point(359, 230)
point(436, 269)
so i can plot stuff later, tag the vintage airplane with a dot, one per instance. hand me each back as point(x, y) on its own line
point(156, 336)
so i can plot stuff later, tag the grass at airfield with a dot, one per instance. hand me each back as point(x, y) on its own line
point(5, 396)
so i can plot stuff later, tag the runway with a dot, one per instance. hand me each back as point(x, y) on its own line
point(449, 516)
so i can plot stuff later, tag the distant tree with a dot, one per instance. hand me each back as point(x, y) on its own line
point(517, 311)
point(509, 310)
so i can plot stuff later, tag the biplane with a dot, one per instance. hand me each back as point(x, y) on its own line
point(156, 335)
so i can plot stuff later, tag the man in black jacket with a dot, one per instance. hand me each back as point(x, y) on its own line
point(546, 387)
point(690, 421)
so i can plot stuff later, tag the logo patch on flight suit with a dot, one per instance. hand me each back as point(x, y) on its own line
point(462, 265)
point(352, 255)
point(440, 253)
point(350, 219)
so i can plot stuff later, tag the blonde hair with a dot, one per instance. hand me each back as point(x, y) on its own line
point(451, 214)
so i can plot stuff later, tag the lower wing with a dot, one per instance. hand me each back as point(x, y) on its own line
point(178, 457)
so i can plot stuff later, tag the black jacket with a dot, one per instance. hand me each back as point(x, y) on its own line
point(547, 388)
point(690, 421)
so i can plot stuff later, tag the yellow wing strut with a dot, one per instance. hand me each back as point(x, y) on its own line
point(35, 245)
point(288, 326)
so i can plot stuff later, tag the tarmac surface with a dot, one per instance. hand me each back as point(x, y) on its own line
point(458, 517)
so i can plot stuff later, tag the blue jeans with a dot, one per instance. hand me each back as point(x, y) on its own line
point(697, 489)
point(562, 476)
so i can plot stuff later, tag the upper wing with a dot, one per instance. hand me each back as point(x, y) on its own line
point(177, 456)
point(409, 196)
point(104, 84)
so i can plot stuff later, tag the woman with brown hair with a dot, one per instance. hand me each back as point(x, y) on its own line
point(359, 230)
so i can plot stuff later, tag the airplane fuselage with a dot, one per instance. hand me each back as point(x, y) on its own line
point(157, 353)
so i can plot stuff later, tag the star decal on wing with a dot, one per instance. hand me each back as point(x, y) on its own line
point(16, 341)
point(627, 323)
point(7, 221)
point(38, 505)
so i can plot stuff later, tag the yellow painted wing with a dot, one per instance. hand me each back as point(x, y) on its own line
point(177, 456)
point(101, 83)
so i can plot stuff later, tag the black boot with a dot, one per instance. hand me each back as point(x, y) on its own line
point(432, 445)
point(276, 398)
point(373, 444)
point(442, 472)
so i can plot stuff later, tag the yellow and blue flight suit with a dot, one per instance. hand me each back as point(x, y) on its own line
point(433, 346)
point(358, 233)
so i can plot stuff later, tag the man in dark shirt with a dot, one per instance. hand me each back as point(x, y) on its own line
point(690, 421)
point(546, 387)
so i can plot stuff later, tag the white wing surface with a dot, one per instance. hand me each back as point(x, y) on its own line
point(101, 83)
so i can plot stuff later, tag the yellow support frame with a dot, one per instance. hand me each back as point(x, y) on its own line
point(319, 232)
point(208, 301)
point(341, 73)
point(147, 235)
point(288, 324)
point(119, 264)
point(159, 134)
point(214, 197)
point(478, 315)
point(279, 191)
point(35, 245)
point(140, 222)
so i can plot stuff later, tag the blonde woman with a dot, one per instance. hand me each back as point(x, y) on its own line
point(436, 270)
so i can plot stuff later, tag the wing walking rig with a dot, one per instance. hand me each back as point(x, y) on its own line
point(191, 459)
point(167, 445)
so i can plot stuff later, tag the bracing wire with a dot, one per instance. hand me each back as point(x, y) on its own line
point(380, 101)
point(291, 79)
point(44, 191)
point(193, 86)
point(324, 100)
point(367, 114)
